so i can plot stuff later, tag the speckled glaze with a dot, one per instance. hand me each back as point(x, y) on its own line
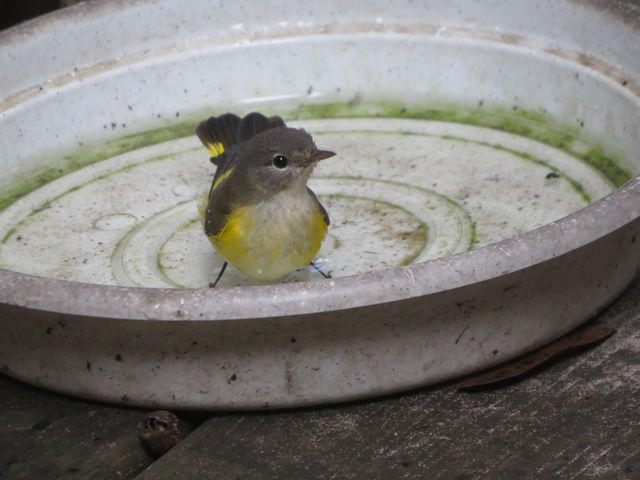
point(311, 342)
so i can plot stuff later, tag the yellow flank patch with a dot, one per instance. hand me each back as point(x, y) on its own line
point(215, 149)
point(230, 242)
point(222, 178)
point(318, 233)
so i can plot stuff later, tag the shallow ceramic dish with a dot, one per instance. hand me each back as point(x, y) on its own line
point(482, 199)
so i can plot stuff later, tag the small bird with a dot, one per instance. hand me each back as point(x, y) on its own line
point(260, 215)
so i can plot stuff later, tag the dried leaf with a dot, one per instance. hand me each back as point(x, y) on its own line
point(527, 362)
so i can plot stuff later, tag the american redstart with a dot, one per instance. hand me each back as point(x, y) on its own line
point(259, 214)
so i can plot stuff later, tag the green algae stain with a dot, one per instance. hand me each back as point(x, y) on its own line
point(51, 201)
point(532, 124)
point(474, 236)
point(527, 123)
point(607, 165)
point(151, 137)
point(577, 186)
point(88, 155)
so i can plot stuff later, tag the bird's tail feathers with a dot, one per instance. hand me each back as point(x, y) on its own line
point(218, 134)
point(255, 123)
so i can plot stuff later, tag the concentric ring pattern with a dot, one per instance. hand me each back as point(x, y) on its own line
point(399, 191)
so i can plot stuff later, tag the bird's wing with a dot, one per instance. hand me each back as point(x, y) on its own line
point(327, 220)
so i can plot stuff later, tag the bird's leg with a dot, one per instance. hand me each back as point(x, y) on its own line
point(325, 275)
point(213, 284)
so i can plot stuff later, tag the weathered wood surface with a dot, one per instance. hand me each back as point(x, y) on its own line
point(48, 436)
point(577, 419)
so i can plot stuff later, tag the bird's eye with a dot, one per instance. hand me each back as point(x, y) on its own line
point(280, 161)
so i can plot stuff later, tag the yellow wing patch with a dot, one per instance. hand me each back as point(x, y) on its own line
point(215, 148)
point(221, 178)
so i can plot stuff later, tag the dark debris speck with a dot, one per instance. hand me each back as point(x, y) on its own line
point(40, 425)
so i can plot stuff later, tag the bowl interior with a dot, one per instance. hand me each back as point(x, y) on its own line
point(445, 143)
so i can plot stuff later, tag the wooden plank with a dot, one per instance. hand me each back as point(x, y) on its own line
point(628, 468)
point(577, 419)
point(49, 436)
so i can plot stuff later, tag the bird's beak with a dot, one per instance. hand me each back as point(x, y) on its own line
point(321, 155)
